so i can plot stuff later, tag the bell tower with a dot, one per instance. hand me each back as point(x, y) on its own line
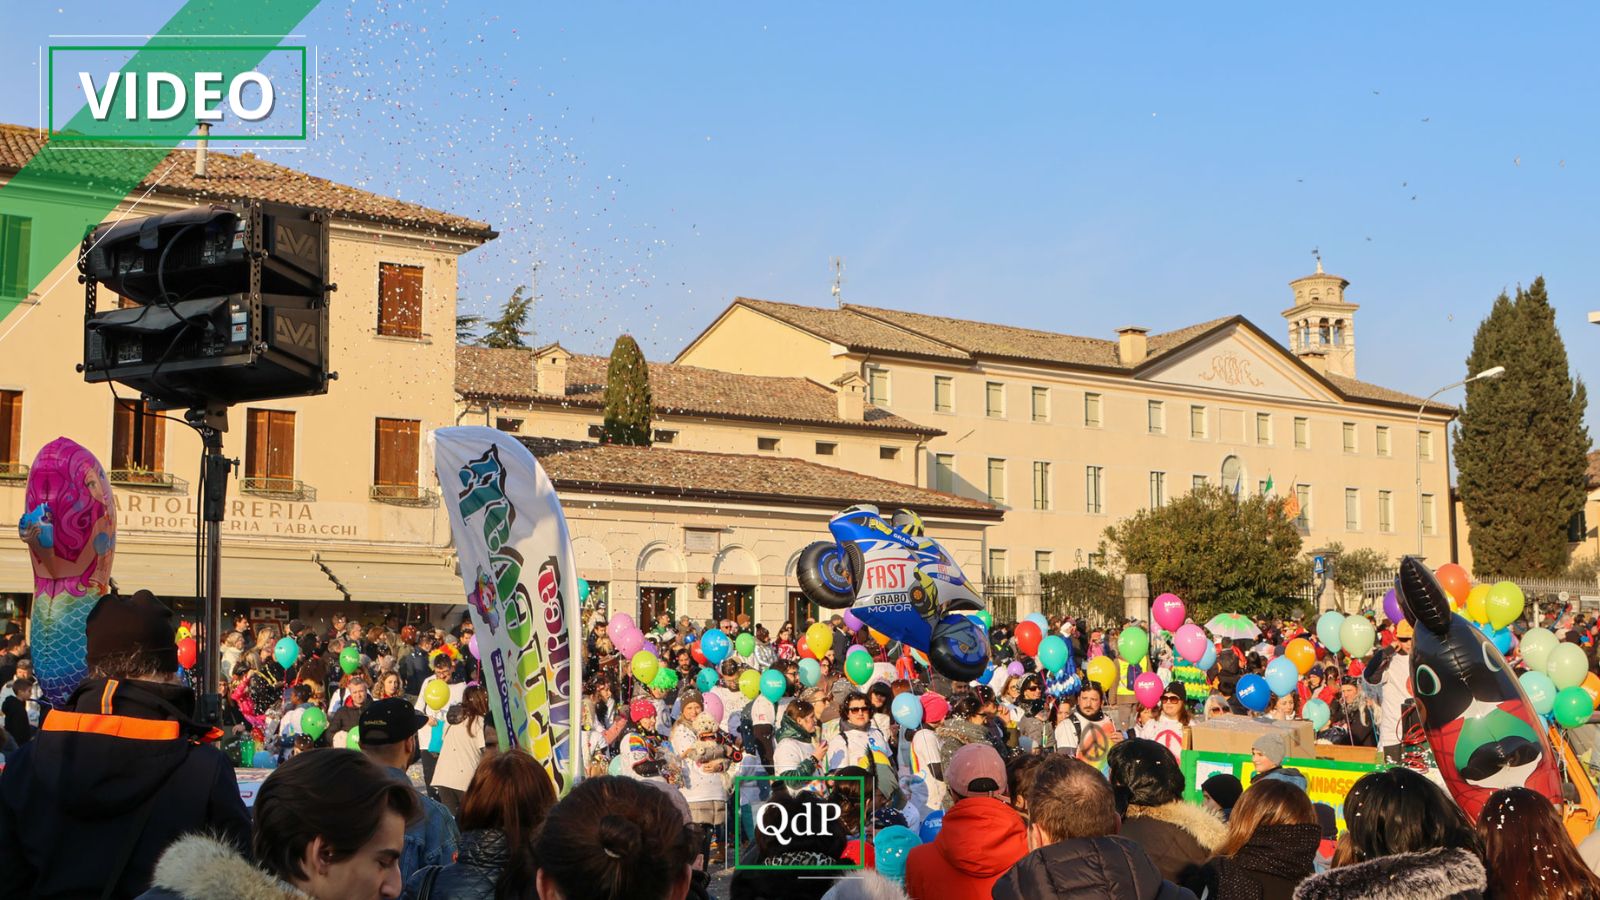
point(1322, 323)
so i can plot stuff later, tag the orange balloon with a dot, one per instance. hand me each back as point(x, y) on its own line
point(1455, 581)
point(1591, 686)
point(878, 636)
point(1302, 654)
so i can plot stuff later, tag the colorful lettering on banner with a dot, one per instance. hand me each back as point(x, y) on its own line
point(1328, 781)
point(504, 513)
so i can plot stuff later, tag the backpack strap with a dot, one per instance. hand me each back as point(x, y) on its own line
point(430, 874)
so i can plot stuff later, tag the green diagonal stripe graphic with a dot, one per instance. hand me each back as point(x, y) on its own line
point(71, 186)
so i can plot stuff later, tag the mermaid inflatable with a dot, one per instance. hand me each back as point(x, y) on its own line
point(70, 529)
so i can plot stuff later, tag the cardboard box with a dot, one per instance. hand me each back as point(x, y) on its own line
point(1342, 753)
point(1236, 734)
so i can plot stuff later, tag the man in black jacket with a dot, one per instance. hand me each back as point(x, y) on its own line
point(1073, 824)
point(414, 668)
point(119, 772)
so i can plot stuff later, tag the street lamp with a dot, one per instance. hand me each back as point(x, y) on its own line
point(1495, 372)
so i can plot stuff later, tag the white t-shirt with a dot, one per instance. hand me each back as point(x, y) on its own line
point(1395, 693)
point(1166, 731)
point(732, 702)
point(698, 785)
point(922, 754)
point(431, 735)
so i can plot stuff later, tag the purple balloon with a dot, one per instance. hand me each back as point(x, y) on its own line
point(472, 644)
point(1391, 606)
point(1015, 668)
point(650, 646)
point(851, 622)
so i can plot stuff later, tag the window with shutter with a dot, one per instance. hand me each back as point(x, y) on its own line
point(15, 241)
point(399, 300)
point(269, 450)
point(10, 430)
point(138, 441)
point(397, 453)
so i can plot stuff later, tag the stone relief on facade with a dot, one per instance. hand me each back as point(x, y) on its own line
point(1232, 370)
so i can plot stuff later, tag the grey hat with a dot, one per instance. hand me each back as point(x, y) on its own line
point(1272, 746)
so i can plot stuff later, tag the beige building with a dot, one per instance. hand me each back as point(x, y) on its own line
point(334, 499)
point(1070, 434)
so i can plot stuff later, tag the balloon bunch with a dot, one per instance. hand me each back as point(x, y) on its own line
point(815, 643)
point(1558, 681)
point(641, 654)
point(1493, 607)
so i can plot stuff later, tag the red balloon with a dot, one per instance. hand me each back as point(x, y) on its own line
point(694, 651)
point(1028, 638)
point(803, 648)
point(1455, 581)
point(188, 652)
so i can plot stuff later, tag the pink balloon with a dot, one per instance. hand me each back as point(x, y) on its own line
point(1191, 642)
point(472, 644)
point(629, 642)
point(713, 705)
point(1168, 611)
point(850, 621)
point(620, 624)
point(1147, 689)
point(1016, 668)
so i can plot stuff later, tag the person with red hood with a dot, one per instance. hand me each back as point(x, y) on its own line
point(982, 837)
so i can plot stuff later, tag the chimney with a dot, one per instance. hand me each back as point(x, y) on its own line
point(852, 396)
point(550, 370)
point(200, 150)
point(1132, 347)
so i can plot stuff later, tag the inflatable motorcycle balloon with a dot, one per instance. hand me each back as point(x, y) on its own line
point(1483, 729)
point(899, 583)
point(70, 528)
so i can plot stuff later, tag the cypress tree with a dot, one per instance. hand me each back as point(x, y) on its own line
point(1521, 445)
point(629, 408)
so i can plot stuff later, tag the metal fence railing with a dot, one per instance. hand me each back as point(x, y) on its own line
point(1545, 594)
point(1000, 595)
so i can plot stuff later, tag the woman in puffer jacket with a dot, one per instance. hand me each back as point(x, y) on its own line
point(1148, 784)
point(1273, 837)
point(797, 752)
point(1407, 841)
point(500, 814)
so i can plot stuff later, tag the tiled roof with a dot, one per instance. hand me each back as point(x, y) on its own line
point(657, 472)
point(1594, 470)
point(847, 327)
point(676, 390)
point(232, 177)
point(1362, 390)
point(989, 339)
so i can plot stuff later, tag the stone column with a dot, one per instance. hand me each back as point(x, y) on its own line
point(1136, 597)
point(1029, 593)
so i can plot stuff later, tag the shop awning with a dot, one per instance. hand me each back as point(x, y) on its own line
point(426, 578)
point(168, 571)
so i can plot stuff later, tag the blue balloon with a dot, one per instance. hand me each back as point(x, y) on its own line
point(1502, 639)
point(583, 590)
point(1209, 660)
point(890, 847)
point(716, 646)
point(1038, 619)
point(1328, 630)
point(264, 760)
point(1541, 691)
point(931, 825)
point(1281, 676)
point(705, 680)
point(1254, 692)
point(286, 652)
point(907, 710)
point(1053, 653)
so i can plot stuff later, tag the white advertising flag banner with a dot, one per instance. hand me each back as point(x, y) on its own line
point(521, 588)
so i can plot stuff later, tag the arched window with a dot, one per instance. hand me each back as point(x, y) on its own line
point(1323, 335)
point(1338, 333)
point(1233, 475)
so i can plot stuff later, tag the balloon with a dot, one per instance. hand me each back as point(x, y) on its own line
point(1133, 644)
point(1282, 675)
point(1356, 635)
point(1391, 606)
point(878, 636)
point(1028, 637)
point(1504, 604)
point(1168, 611)
point(907, 710)
point(773, 685)
point(620, 624)
point(1209, 660)
point(1480, 592)
point(650, 647)
point(890, 848)
point(1455, 581)
point(1302, 654)
point(713, 703)
point(1328, 630)
point(698, 656)
point(1541, 691)
point(744, 644)
point(1536, 646)
point(851, 622)
point(583, 590)
point(705, 680)
point(286, 652)
point(666, 679)
point(1591, 684)
point(1102, 671)
point(986, 617)
point(858, 667)
point(188, 651)
point(1477, 608)
point(645, 666)
point(1191, 642)
point(750, 683)
point(1573, 707)
point(1254, 692)
point(716, 646)
point(472, 644)
point(314, 722)
point(1147, 689)
point(819, 638)
point(436, 695)
point(615, 768)
point(810, 672)
point(1316, 712)
point(184, 632)
point(1502, 640)
point(1016, 668)
point(352, 738)
point(350, 660)
point(1567, 666)
point(1053, 653)
point(931, 825)
point(629, 643)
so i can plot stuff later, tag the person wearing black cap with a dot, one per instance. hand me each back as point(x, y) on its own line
point(389, 738)
point(119, 772)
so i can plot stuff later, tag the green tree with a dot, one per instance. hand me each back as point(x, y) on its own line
point(467, 328)
point(1084, 592)
point(1220, 553)
point(1352, 569)
point(1521, 445)
point(629, 408)
point(506, 331)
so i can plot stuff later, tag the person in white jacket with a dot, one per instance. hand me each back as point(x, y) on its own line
point(463, 747)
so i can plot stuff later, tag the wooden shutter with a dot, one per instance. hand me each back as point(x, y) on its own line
point(400, 300)
point(122, 451)
point(397, 451)
point(153, 439)
point(270, 446)
point(255, 451)
point(10, 427)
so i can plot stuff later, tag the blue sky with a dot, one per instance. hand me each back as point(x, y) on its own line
point(1061, 166)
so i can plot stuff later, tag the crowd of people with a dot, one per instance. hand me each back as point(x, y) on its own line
point(385, 780)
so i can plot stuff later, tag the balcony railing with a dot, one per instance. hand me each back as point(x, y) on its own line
point(13, 471)
point(147, 479)
point(405, 494)
point(279, 488)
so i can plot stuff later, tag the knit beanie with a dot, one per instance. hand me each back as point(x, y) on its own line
point(640, 709)
point(1273, 747)
point(140, 624)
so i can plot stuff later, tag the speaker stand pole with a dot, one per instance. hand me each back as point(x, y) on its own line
point(214, 472)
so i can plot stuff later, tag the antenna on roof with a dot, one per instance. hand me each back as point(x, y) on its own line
point(837, 262)
point(1317, 252)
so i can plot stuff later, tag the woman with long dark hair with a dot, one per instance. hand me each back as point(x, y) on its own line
point(617, 838)
point(500, 815)
point(1271, 846)
point(462, 748)
point(1528, 852)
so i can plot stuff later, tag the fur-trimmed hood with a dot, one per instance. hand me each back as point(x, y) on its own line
point(1444, 874)
point(1201, 825)
point(198, 867)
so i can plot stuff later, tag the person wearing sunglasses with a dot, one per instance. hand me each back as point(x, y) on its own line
point(1170, 725)
point(1390, 670)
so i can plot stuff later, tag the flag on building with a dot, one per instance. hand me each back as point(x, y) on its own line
point(1267, 489)
point(521, 589)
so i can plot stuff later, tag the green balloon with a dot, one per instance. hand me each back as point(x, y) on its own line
point(772, 685)
point(744, 644)
point(1574, 706)
point(987, 618)
point(350, 660)
point(1567, 666)
point(1133, 644)
point(352, 738)
point(858, 667)
point(314, 722)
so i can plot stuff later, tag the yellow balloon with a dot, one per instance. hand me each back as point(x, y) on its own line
point(436, 695)
point(182, 632)
point(1477, 603)
point(1102, 671)
point(819, 638)
point(750, 683)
